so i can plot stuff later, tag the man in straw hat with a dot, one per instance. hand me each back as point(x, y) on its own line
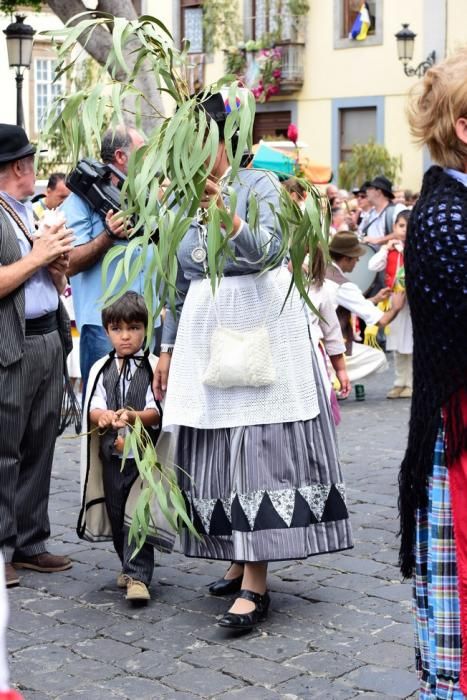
point(345, 251)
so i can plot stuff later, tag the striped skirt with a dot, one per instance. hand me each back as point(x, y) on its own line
point(436, 607)
point(264, 492)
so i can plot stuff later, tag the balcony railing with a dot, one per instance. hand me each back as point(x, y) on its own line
point(292, 71)
point(287, 32)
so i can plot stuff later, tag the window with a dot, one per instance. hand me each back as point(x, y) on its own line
point(191, 24)
point(45, 89)
point(345, 12)
point(357, 125)
point(350, 10)
point(271, 125)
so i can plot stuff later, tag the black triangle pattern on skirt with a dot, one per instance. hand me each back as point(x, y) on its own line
point(259, 511)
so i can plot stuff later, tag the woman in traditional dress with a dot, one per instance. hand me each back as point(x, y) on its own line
point(433, 478)
point(259, 464)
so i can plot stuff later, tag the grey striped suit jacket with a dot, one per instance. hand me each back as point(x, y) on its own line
point(12, 319)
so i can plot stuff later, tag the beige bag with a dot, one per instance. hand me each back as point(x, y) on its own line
point(240, 359)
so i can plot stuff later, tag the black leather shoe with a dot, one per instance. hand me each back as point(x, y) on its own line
point(246, 621)
point(226, 586)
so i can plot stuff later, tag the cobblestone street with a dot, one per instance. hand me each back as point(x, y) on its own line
point(339, 628)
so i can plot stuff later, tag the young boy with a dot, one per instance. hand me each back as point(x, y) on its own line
point(119, 391)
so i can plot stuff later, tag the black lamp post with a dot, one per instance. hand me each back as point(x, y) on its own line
point(405, 45)
point(19, 37)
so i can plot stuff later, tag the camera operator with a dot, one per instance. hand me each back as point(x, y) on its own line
point(94, 236)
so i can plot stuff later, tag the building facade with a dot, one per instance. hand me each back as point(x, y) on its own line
point(338, 91)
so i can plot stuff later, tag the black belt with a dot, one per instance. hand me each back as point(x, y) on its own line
point(42, 325)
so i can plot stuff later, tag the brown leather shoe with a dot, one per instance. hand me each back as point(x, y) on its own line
point(11, 577)
point(45, 562)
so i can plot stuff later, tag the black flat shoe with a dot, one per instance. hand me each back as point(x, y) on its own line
point(246, 621)
point(226, 586)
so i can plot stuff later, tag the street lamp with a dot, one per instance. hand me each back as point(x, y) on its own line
point(19, 37)
point(405, 45)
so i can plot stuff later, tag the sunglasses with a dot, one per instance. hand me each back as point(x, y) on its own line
point(360, 195)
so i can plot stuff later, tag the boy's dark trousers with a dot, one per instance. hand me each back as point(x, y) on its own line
point(117, 486)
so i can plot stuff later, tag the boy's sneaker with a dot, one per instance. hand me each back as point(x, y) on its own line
point(137, 591)
point(406, 393)
point(122, 580)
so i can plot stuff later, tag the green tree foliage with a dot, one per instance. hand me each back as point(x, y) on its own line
point(366, 161)
point(10, 7)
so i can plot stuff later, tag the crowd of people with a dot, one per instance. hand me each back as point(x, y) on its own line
point(250, 403)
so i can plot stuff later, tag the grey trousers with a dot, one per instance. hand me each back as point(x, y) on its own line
point(117, 486)
point(30, 402)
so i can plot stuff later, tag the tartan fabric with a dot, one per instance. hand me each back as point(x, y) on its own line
point(435, 591)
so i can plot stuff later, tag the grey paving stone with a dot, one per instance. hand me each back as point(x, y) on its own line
point(274, 648)
point(150, 664)
point(380, 679)
point(105, 649)
point(135, 687)
point(387, 654)
point(211, 683)
point(215, 656)
point(38, 658)
point(324, 664)
point(261, 672)
point(251, 693)
point(309, 688)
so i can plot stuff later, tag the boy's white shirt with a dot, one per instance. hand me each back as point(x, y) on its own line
point(99, 398)
point(95, 370)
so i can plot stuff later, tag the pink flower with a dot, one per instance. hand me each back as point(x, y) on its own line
point(292, 133)
point(273, 90)
point(276, 73)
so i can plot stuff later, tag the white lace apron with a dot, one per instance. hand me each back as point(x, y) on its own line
point(243, 303)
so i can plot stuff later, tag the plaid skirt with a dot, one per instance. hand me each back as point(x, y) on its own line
point(436, 606)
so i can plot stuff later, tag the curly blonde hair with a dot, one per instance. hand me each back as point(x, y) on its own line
point(436, 103)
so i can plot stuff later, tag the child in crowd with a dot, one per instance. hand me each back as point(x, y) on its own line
point(390, 258)
point(119, 391)
point(325, 330)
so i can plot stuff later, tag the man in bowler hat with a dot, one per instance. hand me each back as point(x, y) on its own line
point(32, 275)
point(381, 218)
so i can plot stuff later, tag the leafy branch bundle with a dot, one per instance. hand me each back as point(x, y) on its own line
point(167, 176)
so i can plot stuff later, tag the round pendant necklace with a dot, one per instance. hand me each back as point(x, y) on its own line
point(199, 253)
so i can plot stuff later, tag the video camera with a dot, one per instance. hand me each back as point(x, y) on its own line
point(91, 180)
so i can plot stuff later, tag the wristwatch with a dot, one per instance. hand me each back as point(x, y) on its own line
point(167, 348)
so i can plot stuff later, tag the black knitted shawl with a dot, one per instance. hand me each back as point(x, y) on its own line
point(435, 259)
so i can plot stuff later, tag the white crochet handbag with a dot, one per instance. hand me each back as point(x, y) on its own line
point(239, 359)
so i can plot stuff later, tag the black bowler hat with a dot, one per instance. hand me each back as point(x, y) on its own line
point(214, 105)
point(14, 143)
point(382, 183)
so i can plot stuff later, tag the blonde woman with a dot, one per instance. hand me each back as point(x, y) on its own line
point(433, 478)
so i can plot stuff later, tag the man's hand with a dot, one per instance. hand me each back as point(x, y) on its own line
point(398, 300)
point(52, 244)
point(116, 224)
point(161, 375)
point(58, 271)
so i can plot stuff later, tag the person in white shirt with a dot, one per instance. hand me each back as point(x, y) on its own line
point(362, 360)
point(379, 225)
